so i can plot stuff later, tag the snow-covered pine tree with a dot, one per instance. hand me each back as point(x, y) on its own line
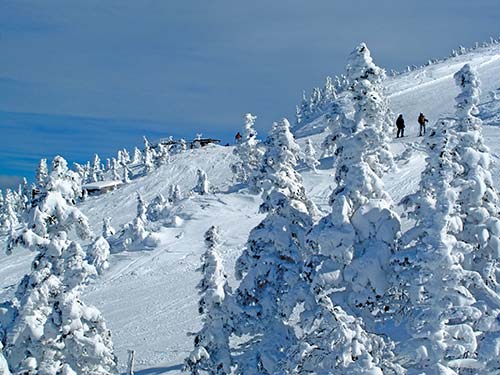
point(98, 254)
point(137, 159)
point(211, 354)
point(478, 199)
point(64, 180)
point(96, 174)
point(359, 236)
point(310, 156)
point(174, 194)
point(10, 216)
point(371, 108)
point(202, 185)
point(42, 175)
point(54, 332)
point(126, 173)
point(271, 265)
point(107, 229)
point(114, 170)
point(148, 157)
point(303, 110)
point(248, 151)
point(433, 294)
point(334, 342)
point(182, 145)
point(163, 156)
point(156, 208)
point(277, 171)
point(134, 235)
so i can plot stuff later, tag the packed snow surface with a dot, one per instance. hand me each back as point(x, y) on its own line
point(149, 298)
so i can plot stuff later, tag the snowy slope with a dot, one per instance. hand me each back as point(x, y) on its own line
point(149, 297)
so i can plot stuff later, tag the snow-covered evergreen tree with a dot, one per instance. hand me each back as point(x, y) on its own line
point(310, 156)
point(156, 208)
point(137, 159)
point(174, 194)
point(107, 229)
point(134, 235)
point(277, 171)
point(64, 180)
point(98, 254)
point(359, 236)
point(211, 354)
point(202, 185)
point(54, 332)
point(163, 156)
point(334, 342)
point(10, 217)
point(42, 175)
point(371, 108)
point(248, 151)
point(97, 173)
point(437, 297)
point(114, 170)
point(148, 159)
point(478, 199)
point(270, 267)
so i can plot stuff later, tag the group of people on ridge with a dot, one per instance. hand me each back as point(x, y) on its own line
point(400, 124)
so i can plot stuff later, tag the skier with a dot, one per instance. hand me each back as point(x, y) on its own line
point(400, 124)
point(421, 121)
point(237, 137)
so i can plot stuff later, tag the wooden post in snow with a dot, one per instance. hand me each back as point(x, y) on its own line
point(131, 362)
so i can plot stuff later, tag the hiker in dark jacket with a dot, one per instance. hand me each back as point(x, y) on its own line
point(400, 124)
point(421, 121)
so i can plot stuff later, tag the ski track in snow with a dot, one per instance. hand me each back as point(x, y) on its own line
point(149, 298)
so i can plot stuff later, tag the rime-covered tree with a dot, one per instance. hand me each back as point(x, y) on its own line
point(114, 170)
point(54, 332)
point(98, 254)
point(277, 171)
point(202, 185)
point(444, 306)
point(478, 198)
point(97, 173)
point(134, 235)
point(211, 354)
point(371, 108)
point(107, 229)
point(10, 217)
point(248, 151)
point(359, 236)
point(174, 194)
point(334, 342)
point(137, 158)
point(42, 175)
point(270, 267)
point(64, 180)
point(310, 156)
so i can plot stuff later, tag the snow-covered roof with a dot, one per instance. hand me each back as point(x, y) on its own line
point(102, 185)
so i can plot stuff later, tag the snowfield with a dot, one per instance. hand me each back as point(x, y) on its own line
point(148, 297)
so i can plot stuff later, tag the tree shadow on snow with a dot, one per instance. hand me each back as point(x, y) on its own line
point(157, 370)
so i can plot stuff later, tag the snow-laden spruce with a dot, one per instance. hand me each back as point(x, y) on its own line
point(270, 267)
point(277, 171)
point(135, 235)
point(371, 108)
point(53, 331)
point(433, 294)
point(478, 198)
point(309, 156)
point(211, 354)
point(4, 366)
point(357, 239)
point(202, 185)
point(248, 152)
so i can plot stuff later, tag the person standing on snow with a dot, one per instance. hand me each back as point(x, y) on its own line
point(421, 121)
point(400, 124)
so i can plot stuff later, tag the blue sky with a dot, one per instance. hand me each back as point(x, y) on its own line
point(85, 76)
